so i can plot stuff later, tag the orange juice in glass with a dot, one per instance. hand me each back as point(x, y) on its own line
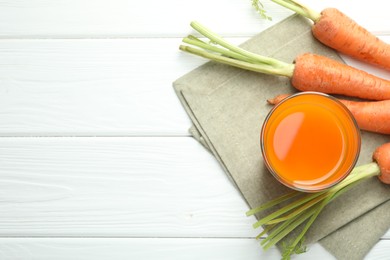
point(310, 141)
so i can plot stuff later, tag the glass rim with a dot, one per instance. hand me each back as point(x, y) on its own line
point(343, 175)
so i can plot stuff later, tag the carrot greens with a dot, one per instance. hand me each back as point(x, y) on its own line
point(259, 7)
point(290, 4)
point(304, 210)
point(222, 51)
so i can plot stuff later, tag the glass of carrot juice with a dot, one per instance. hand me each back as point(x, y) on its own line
point(310, 141)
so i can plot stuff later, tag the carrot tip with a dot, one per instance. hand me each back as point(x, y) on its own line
point(271, 101)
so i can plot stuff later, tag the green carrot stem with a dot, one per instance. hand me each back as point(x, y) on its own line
point(273, 202)
point(260, 9)
point(294, 224)
point(331, 197)
point(279, 229)
point(219, 40)
point(343, 190)
point(287, 208)
point(308, 224)
point(236, 56)
point(358, 170)
point(287, 71)
point(367, 171)
point(192, 40)
point(311, 209)
point(313, 213)
point(267, 229)
point(296, 193)
point(300, 209)
point(299, 9)
point(371, 170)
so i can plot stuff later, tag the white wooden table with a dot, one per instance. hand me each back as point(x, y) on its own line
point(95, 158)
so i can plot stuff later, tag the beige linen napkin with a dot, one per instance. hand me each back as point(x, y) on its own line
point(227, 107)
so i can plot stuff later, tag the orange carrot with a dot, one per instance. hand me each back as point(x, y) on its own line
point(373, 116)
point(339, 32)
point(309, 73)
point(382, 157)
point(317, 73)
point(336, 30)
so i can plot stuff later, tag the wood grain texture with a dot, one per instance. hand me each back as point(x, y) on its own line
point(155, 248)
point(126, 18)
point(133, 248)
point(109, 187)
point(96, 87)
point(81, 86)
point(92, 87)
point(104, 69)
point(124, 187)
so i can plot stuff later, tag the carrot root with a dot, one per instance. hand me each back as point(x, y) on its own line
point(382, 157)
point(343, 34)
point(338, 31)
point(318, 73)
point(371, 116)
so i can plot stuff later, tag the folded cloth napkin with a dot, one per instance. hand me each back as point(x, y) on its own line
point(228, 106)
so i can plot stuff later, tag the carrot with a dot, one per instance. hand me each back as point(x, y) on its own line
point(317, 73)
point(277, 99)
point(373, 116)
point(308, 72)
point(306, 207)
point(336, 30)
point(382, 157)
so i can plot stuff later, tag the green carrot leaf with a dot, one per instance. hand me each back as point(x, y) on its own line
point(259, 7)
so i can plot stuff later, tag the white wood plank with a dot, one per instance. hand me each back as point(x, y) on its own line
point(156, 248)
point(92, 87)
point(133, 248)
point(96, 87)
point(89, 87)
point(129, 18)
point(120, 187)
point(381, 251)
point(126, 18)
point(114, 187)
